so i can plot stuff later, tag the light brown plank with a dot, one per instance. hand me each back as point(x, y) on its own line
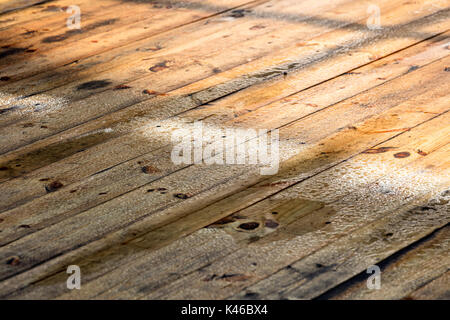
point(11, 5)
point(102, 101)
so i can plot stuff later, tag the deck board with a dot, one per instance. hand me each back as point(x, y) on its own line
point(363, 124)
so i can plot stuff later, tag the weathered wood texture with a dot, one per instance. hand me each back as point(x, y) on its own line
point(86, 123)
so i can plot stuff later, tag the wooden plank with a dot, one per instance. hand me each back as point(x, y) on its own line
point(46, 210)
point(185, 205)
point(129, 216)
point(435, 290)
point(196, 32)
point(214, 274)
point(303, 280)
point(104, 26)
point(220, 243)
point(299, 13)
point(103, 103)
point(32, 186)
point(238, 31)
point(44, 30)
point(65, 52)
point(270, 255)
point(181, 102)
point(11, 5)
point(44, 11)
point(404, 272)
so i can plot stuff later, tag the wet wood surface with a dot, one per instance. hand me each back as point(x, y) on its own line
point(86, 123)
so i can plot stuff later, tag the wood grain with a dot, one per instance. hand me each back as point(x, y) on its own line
point(87, 119)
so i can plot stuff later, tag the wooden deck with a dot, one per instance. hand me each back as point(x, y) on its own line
point(87, 179)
